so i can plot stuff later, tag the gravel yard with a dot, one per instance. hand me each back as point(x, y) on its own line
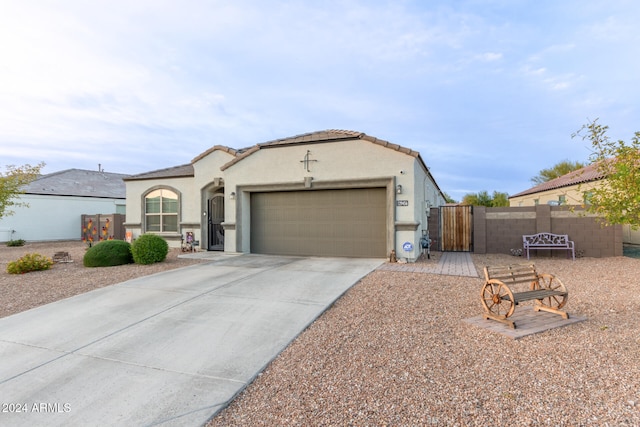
point(24, 291)
point(394, 350)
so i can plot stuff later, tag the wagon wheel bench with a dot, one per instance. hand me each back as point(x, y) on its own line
point(499, 300)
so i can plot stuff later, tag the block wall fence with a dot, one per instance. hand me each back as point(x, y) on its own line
point(498, 230)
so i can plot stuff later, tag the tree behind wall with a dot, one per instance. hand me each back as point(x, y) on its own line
point(559, 169)
point(483, 198)
point(617, 200)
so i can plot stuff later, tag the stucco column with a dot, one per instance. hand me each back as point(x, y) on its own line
point(543, 219)
point(480, 229)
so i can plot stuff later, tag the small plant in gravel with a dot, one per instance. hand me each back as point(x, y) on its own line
point(149, 248)
point(108, 253)
point(29, 262)
point(17, 242)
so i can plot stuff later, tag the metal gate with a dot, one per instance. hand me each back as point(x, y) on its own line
point(456, 228)
point(216, 218)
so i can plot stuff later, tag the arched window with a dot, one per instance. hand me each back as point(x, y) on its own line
point(161, 211)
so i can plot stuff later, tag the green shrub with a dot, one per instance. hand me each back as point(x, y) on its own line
point(17, 242)
point(108, 253)
point(29, 262)
point(149, 248)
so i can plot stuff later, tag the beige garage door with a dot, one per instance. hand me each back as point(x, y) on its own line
point(349, 222)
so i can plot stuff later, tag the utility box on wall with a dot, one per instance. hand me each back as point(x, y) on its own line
point(98, 227)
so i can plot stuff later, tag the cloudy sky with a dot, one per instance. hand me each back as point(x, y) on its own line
point(489, 91)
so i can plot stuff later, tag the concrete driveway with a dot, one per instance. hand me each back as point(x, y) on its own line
point(168, 349)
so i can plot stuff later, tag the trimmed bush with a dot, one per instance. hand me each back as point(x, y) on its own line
point(17, 242)
point(29, 262)
point(149, 248)
point(108, 253)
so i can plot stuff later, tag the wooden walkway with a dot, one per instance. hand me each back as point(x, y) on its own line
point(449, 264)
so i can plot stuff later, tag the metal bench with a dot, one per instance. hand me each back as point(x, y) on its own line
point(548, 241)
point(499, 301)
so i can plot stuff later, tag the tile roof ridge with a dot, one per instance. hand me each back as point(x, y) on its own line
point(216, 147)
point(585, 174)
point(314, 136)
point(187, 166)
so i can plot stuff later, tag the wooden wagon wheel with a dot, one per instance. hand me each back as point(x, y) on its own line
point(552, 283)
point(497, 298)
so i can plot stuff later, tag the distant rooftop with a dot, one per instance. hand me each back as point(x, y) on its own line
point(81, 183)
point(579, 176)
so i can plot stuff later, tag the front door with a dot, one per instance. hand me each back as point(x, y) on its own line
point(216, 218)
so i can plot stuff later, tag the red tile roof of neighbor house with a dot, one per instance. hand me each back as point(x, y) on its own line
point(586, 174)
point(330, 135)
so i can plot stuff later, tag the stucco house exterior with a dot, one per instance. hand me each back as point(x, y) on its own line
point(58, 200)
point(326, 193)
point(570, 189)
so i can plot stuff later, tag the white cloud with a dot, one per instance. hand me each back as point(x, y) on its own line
point(161, 81)
point(490, 56)
point(621, 28)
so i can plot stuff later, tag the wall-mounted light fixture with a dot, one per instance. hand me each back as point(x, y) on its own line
point(399, 189)
point(232, 196)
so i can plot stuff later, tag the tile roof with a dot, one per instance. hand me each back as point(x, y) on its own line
point(180, 171)
point(80, 182)
point(330, 135)
point(580, 176)
point(318, 137)
point(215, 148)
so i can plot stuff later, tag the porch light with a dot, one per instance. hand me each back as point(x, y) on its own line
point(399, 189)
point(232, 196)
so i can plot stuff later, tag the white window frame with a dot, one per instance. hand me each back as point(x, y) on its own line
point(162, 215)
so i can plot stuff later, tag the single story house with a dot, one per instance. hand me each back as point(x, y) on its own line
point(56, 202)
point(570, 189)
point(326, 193)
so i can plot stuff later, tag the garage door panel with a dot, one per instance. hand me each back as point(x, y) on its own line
point(349, 222)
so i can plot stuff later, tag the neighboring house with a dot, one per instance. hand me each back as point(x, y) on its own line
point(570, 189)
point(57, 201)
point(327, 193)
